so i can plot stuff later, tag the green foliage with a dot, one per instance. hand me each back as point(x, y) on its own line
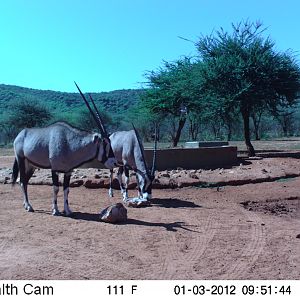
point(14, 115)
point(244, 73)
point(115, 102)
point(83, 119)
point(171, 88)
point(173, 92)
point(237, 79)
point(25, 114)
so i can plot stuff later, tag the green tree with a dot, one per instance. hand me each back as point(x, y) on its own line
point(244, 72)
point(286, 120)
point(171, 93)
point(84, 120)
point(27, 114)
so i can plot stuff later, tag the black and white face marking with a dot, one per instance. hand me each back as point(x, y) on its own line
point(145, 185)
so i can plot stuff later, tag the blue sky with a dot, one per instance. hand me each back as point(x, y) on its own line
point(109, 45)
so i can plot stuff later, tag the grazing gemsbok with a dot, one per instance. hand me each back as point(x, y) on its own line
point(129, 152)
point(61, 148)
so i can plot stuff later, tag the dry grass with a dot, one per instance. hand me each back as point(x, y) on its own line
point(274, 145)
point(6, 151)
point(278, 145)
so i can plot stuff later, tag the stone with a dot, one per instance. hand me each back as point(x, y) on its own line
point(114, 213)
point(137, 202)
point(76, 183)
point(92, 184)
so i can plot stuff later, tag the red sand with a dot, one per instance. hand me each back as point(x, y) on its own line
point(187, 233)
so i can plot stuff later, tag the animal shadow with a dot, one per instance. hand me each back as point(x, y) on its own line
point(174, 203)
point(85, 216)
point(174, 226)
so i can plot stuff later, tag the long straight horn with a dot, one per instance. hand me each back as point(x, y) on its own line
point(141, 148)
point(99, 116)
point(154, 153)
point(91, 111)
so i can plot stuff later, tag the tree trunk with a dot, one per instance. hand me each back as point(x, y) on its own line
point(193, 130)
point(229, 133)
point(246, 119)
point(178, 132)
point(256, 123)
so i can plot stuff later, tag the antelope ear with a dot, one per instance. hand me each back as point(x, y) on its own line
point(96, 138)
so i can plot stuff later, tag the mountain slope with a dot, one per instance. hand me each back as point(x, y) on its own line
point(114, 102)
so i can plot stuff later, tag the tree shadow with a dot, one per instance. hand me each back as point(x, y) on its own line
point(174, 203)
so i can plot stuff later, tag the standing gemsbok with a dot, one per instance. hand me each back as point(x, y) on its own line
point(61, 148)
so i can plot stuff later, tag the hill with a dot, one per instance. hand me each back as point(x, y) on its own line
point(114, 102)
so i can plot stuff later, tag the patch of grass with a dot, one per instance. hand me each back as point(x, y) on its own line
point(285, 179)
point(283, 144)
point(205, 185)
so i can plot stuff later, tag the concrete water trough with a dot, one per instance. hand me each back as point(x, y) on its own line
point(187, 158)
point(197, 144)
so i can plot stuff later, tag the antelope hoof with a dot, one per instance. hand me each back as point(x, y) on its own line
point(55, 212)
point(125, 196)
point(28, 207)
point(67, 212)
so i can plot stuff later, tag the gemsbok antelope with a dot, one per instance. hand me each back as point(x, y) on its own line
point(61, 148)
point(129, 152)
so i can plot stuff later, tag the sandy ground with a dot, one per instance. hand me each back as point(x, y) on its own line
point(243, 229)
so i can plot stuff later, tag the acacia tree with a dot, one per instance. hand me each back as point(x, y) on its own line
point(256, 116)
point(244, 72)
point(286, 119)
point(171, 93)
point(145, 120)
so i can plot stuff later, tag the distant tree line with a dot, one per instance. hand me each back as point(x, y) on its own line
point(237, 87)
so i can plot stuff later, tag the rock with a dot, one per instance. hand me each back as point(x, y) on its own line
point(91, 184)
point(165, 175)
point(194, 176)
point(136, 202)
point(114, 213)
point(173, 183)
point(177, 175)
point(76, 183)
